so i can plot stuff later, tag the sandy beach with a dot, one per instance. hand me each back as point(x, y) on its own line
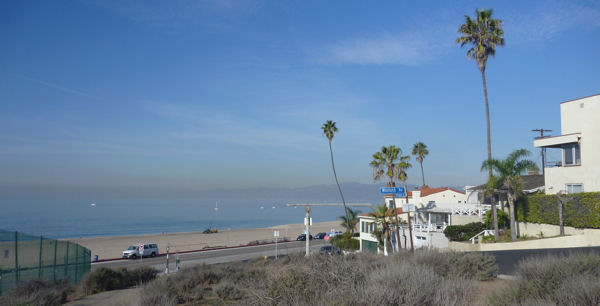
point(113, 246)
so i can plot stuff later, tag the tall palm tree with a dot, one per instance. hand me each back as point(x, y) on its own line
point(389, 163)
point(483, 34)
point(508, 177)
point(350, 220)
point(329, 129)
point(380, 213)
point(420, 151)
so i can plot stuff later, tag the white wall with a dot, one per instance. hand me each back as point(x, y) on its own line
point(579, 116)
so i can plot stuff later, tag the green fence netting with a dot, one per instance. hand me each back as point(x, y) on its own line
point(25, 257)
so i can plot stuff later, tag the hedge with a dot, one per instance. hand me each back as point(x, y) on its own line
point(463, 232)
point(580, 210)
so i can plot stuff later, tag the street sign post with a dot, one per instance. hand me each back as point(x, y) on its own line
point(397, 191)
point(276, 234)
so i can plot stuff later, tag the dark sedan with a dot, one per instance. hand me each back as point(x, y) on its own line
point(303, 237)
point(320, 235)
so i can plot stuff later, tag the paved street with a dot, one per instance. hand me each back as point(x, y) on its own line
point(508, 260)
point(214, 256)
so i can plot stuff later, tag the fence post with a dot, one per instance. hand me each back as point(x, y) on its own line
point(16, 258)
point(66, 260)
point(54, 270)
point(40, 258)
point(76, 261)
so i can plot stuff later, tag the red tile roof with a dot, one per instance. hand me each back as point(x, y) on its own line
point(426, 190)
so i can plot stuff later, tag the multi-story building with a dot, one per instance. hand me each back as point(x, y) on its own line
point(579, 142)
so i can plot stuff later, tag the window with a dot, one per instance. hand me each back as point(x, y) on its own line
point(574, 188)
point(572, 154)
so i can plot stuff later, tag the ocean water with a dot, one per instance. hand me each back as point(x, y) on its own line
point(69, 218)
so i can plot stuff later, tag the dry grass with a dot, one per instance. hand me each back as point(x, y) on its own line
point(427, 277)
point(554, 280)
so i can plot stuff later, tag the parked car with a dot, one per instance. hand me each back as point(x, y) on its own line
point(303, 237)
point(335, 233)
point(330, 249)
point(320, 236)
point(133, 251)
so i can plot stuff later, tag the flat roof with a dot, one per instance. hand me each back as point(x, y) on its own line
point(573, 100)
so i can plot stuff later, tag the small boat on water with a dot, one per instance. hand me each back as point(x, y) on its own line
point(216, 206)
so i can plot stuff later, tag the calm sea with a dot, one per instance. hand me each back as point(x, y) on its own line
point(62, 218)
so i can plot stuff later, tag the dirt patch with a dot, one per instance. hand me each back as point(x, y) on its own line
point(486, 288)
point(124, 297)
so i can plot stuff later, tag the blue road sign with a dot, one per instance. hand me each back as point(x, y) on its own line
point(399, 191)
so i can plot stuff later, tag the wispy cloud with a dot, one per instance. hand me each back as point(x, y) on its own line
point(410, 50)
point(550, 19)
point(61, 88)
point(227, 127)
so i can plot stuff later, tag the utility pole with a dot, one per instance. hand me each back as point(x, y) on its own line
point(542, 130)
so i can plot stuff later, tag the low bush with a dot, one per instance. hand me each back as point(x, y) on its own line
point(345, 242)
point(38, 292)
point(463, 232)
point(426, 278)
point(228, 292)
point(563, 280)
point(105, 279)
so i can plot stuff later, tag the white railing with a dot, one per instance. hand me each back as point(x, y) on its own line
point(469, 211)
point(483, 233)
point(427, 227)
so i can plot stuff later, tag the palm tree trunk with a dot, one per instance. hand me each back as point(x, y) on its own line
point(422, 173)
point(336, 181)
point(489, 148)
point(561, 223)
point(511, 208)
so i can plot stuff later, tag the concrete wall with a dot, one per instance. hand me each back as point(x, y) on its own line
point(461, 220)
point(579, 116)
point(576, 238)
point(549, 230)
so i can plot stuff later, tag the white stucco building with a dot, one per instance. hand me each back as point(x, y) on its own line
point(436, 208)
point(579, 142)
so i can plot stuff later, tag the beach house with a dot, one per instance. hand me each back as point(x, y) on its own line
point(435, 208)
point(578, 167)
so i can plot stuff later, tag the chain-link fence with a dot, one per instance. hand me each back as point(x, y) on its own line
point(24, 257)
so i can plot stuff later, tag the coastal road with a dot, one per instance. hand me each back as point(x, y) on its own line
point(213, 256)
point(508, 260)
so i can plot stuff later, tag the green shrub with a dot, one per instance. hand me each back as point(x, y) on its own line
point(105, 279)
point(503, 219)
point(345, 242)
point(463, 232)
point(580, 210)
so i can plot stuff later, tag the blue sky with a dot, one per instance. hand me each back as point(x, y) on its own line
point(219, 94)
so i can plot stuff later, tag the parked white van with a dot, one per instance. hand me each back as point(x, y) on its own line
point(133, 251)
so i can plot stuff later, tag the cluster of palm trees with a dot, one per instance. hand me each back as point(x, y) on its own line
point(483, 34)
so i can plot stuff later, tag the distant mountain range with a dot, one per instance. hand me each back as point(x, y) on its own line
point(353, 193)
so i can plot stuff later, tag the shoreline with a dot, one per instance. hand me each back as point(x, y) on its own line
point(112, 246)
